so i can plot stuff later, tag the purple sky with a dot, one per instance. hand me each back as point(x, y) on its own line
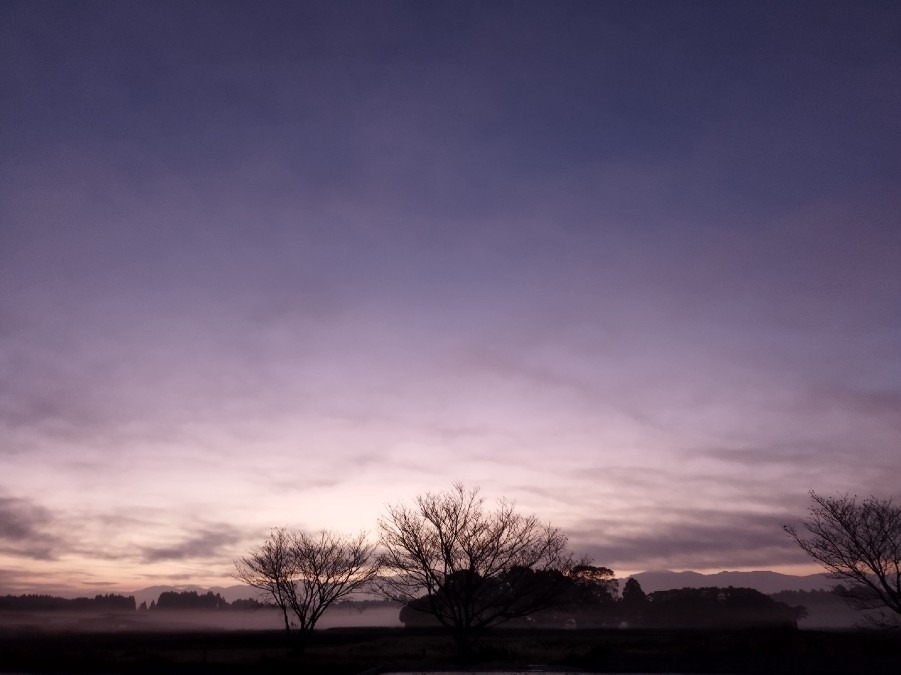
point(635, 265)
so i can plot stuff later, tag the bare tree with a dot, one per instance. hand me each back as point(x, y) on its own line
point(468, 566)
point(858, 542)
point(272, 568)
point(304, 574)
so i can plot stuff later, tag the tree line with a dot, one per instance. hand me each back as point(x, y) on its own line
point(452, 560)
point(602, 607)
point(43, 603)
point(192, 600)
point(168, 600)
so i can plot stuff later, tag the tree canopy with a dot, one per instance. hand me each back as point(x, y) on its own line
point(467, 565)
point(304, 573)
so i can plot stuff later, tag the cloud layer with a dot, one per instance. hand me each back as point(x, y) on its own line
point(635, 266)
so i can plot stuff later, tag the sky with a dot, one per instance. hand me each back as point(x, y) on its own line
point(634, 265)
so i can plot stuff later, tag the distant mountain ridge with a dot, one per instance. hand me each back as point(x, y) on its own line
point(763, 581)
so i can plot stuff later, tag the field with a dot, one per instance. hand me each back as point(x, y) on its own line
point(371, 650)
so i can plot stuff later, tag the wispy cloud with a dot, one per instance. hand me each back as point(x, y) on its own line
point(29, 530)
point(203, 543)
point(695, 540)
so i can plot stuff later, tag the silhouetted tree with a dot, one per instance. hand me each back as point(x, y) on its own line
point(858, 542)
point(594, 585)
point(304, 574)
point(634, 603)
point(468, 566)
point(272, 568)
point(633, 595)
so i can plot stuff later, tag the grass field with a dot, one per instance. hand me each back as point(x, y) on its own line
point(374, 650)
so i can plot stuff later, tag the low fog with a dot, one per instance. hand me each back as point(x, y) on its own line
point(260, 619)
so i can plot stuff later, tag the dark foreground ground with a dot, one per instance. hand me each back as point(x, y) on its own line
point(374, 650)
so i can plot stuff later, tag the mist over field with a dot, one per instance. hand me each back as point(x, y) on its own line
point(824, 612)
point(192, 620)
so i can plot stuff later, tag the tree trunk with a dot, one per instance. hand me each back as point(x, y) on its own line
point(287, 623)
